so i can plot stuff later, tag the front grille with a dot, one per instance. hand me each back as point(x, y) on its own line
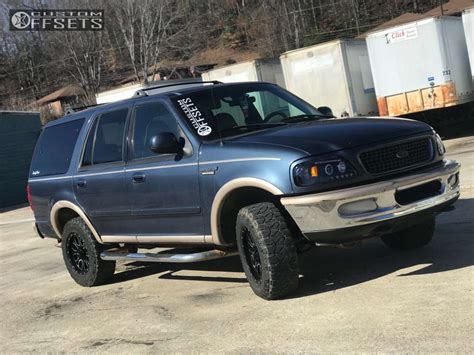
point(398, 156)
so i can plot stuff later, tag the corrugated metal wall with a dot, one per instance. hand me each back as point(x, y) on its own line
point(19, 132)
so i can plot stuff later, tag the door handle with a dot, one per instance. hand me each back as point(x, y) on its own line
point(138, 178)
point(81, 183)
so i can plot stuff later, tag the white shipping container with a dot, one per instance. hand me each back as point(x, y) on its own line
point(468, 22)
point(268, 70)
point(420, 65)
point(334, 74)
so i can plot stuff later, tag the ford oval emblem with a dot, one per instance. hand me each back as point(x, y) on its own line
point(402, 154)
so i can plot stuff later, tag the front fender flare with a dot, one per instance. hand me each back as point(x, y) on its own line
point(227, 188)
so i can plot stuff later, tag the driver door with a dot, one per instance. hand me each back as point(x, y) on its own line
point(163, 188)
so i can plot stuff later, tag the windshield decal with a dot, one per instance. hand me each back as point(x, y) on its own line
point(195, 116)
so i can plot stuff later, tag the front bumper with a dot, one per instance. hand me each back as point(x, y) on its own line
point(362, 206)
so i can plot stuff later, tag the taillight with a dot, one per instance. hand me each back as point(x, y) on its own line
point(28, 195)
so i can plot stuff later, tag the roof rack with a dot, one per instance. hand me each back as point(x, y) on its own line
point(143, 92)
point(71, 110)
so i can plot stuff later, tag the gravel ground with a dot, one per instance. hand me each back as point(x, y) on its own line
point(366, 299)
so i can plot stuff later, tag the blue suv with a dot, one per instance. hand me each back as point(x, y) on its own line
point(243, 168)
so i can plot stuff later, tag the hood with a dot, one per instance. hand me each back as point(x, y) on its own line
point(325, 136)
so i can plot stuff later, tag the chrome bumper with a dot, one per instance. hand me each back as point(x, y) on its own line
point(327, 211)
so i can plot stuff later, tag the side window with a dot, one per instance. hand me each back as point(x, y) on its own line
point(105, 141)
point(151, 119)
point(54, 149)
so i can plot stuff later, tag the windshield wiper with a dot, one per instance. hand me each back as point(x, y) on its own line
point(253, 126)
point(304, 117)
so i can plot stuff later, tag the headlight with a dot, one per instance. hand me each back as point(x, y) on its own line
point(440, 145)
point(323, 171)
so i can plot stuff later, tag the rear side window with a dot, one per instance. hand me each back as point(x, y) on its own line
point(53, 151)
point(105, 141)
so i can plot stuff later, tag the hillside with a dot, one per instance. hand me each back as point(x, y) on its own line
point(175, 38)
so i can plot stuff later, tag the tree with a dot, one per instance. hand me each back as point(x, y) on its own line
point(85, 50)
point(147, 28)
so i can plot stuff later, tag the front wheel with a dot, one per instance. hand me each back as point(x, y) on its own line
point(81, 253)
point(267, 251)
point(411, 238)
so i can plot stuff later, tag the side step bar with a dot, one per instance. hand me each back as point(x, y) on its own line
point(166, 258)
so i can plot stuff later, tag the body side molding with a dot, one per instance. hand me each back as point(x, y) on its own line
point(158, 239)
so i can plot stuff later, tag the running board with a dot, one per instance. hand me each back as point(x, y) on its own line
point(166, 258)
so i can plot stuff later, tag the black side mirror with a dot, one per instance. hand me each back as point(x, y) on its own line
point(326, 111)
point(165, 143)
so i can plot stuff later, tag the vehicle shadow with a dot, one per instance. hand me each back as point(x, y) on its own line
point(328, 269)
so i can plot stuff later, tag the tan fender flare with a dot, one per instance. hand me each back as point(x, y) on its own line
point(222, 194)
point(54, 214)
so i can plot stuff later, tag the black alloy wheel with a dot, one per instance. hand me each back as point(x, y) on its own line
point(251, 253)
point(77, 253)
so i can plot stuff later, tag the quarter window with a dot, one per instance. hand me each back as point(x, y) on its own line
point(150, 120)
point(105, 141)
point(54, 149)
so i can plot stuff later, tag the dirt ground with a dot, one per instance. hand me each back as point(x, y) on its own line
point(365, 299)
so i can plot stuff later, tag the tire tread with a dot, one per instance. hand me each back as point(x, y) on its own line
point(278, 246)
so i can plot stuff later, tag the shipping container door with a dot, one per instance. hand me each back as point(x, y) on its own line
point(362, 90)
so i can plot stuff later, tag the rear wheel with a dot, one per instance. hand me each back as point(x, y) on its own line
point(267, 251)
point(81, 253)
point(411, 238)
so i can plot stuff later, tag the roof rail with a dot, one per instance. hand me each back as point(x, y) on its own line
point(143, 92)
point(71, 110)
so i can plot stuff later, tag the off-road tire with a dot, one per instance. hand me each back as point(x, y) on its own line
point(275, 247)
point(411, 238)
point(98, 271)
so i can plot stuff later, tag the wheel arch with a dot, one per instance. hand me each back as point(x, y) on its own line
point(259, 190)
point(64, 210)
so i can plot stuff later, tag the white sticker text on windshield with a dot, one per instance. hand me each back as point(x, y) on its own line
point(195, 116)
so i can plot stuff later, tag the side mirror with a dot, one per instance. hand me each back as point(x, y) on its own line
point(165, 143)
point(326, 111)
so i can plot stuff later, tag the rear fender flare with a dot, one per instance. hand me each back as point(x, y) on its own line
point(54, 218)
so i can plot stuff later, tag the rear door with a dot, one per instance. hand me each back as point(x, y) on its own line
point(99, 184)
point(164, 188)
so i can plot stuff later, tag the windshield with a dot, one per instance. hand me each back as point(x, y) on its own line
point(241, 108)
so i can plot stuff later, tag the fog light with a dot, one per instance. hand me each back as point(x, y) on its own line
point(358, 207)
point(453, 180)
